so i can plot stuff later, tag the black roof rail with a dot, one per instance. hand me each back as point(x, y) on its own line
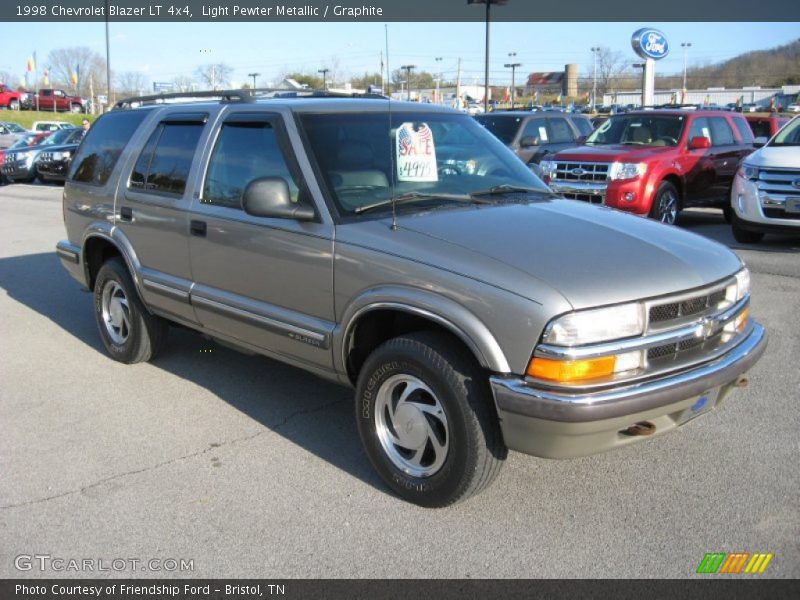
point(223, 95)
point(243, 95)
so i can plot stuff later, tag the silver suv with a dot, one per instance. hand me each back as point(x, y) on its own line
point(405, 251)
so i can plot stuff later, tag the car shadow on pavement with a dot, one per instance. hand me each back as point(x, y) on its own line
point(711, 224)
point(315, 414)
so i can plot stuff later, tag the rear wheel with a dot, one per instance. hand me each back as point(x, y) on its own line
point(744, 236)
point(426, 420)
point(129, 333)
point(13, 105)
point(666, 204)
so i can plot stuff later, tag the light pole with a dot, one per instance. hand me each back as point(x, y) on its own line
point(488, 4)
point(324, 78)
point(254, 75)
point(595, 51)
point(407, 69)
point(685, 46)
point(108, 64)
point(438, 60)
point(513, 67)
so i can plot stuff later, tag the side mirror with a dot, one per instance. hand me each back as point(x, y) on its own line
point(269, 197)
point(529, 141)
point(759, 141)
point(699, 143)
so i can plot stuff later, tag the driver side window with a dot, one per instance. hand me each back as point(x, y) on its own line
point(244, 151)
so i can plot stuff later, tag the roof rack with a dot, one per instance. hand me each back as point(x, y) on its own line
point(243, 95)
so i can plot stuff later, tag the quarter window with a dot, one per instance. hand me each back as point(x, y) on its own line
point(164, 164)
point(244, 151)
point(97, 156)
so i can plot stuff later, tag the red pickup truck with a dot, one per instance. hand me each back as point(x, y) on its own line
point(46, 98)
point(655, 162)
point(10, 99)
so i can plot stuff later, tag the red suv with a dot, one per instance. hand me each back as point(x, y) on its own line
point(655, 162)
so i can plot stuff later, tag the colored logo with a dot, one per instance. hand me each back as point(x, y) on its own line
point(735, 563)
point(650, 43)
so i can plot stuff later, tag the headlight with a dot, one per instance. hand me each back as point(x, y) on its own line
point(548, 169)
point(747, 172)
point(620, 170)
point(62, 155)
point(596, 325)
point(740, 288)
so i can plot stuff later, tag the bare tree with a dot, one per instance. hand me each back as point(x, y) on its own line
point(130, 83)
point(215, 76)
point(89, 67)
point(183, 83)
point(612, 67)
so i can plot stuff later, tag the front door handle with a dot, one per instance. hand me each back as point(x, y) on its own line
point(125, 213)
point(198, 228)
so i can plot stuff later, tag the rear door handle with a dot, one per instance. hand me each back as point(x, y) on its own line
point(125, 213)
point(198, 228)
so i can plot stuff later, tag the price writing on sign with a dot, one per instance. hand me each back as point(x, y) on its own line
point(416, 153)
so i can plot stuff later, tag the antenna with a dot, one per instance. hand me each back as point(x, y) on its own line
point(391, 145)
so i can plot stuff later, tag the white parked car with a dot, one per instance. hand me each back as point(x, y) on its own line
point(793, 108)
point(39, 126)
point(765, 196)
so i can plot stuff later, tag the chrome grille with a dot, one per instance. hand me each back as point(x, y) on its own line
point(689, 307)
point(581, 171)
point(590, 198)
point(779, 181)
point(46, 156)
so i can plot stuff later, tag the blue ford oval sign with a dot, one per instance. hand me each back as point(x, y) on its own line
point(650, 43)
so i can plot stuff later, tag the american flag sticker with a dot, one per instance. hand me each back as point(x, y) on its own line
point(416, 153)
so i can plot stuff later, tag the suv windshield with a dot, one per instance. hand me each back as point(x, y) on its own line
point(421, 158)
point(788, 136)
point(504, 127)
point(642, 130)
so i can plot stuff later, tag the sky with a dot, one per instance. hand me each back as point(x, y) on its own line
point(162, 51)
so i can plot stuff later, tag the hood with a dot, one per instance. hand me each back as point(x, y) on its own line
point(588, 254)
point(612, 153)
point(775, 157)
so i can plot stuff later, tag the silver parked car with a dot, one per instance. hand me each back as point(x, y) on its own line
point(403, 250)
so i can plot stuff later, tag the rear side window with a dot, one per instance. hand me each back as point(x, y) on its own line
point(103, 146)
point(244, 151)
point(721, 134)
point(743, 128)
point(164, 164)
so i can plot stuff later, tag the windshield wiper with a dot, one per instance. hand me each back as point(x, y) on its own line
point(419, 197)
point(506, 188)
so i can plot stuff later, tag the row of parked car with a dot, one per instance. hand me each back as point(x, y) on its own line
point(657, 162)
point(43, 152)
point(47, 99)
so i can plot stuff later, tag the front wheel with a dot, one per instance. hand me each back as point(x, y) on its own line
point(13, 105)
point(744, 236)
point(666, 204)
point(76, 108)
point(129, 333)
point(427, 421)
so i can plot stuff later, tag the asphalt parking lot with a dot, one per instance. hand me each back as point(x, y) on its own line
point(248, 467)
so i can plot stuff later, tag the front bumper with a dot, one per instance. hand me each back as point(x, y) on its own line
point(561, 425)
point(753, 208)
point(53, 170)
point(18, 170)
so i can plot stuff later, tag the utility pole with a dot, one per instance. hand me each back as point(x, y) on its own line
point(324, 78)
point(595, 50)
point(685, 46)
point(407, 69)
point(108, 62)
point(513, 67)
point(254, 75)
point(438, 60)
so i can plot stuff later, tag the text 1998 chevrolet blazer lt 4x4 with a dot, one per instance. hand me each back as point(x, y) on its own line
point(404, 250)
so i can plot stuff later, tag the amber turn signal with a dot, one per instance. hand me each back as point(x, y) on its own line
point(567, 371)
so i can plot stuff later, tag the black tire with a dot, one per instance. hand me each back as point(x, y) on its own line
point(666, 204)
point(469, 428)
point(727, 213)
point(744, 236)
point(139, 335)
